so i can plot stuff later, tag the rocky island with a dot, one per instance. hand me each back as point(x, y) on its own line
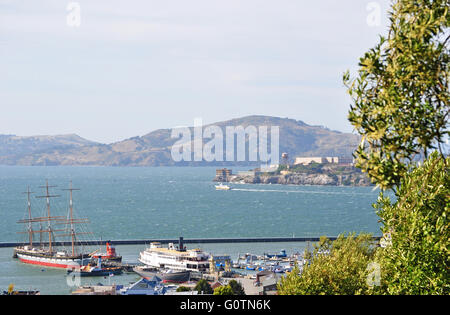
point(313, 174)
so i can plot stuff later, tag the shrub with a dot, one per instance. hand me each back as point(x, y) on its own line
point(417, 260)
point(339, 267)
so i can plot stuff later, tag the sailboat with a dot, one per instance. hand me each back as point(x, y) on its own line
point(47, 253)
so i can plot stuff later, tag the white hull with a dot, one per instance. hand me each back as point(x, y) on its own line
point(162, 258)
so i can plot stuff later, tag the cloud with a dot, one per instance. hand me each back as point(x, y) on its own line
point(166, 60)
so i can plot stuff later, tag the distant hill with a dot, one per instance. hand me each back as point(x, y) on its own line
point(154, 148)
point(15, 148)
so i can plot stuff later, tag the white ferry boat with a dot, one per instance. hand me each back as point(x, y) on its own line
point(175, 258)
point(222, 187)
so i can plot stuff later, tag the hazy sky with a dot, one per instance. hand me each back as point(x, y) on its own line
point(131, 67)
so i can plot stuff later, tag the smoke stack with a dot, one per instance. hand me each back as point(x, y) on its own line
point(180, 242)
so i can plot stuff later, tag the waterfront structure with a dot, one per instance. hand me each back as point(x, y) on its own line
point(96, 290)
point(219, 263)
point(151, 286)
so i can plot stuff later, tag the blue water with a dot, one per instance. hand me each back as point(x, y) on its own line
point(146, 203)
point(167, 202)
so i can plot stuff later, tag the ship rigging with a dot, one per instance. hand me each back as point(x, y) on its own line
point(45, 254)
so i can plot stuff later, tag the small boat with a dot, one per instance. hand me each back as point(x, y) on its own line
point(21, 293)
point(222, 187)
point(110, 254)
point(96, 271)
point(248, 257)
point(278, 269)
point(87, 271)
point(282, 254)
point(288, 269)
point(250, 267)
point(11, 291)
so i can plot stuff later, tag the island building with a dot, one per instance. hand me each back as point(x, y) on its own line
point(269, 168)
point(324, 160)
point(223, 174)
point(258, 171)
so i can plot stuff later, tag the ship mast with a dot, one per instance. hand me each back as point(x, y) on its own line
point(30, 224)
point(39, 220)
point(72, 230)
point(49, 217)
point(71, 221)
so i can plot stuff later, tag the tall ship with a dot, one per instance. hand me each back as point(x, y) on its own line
point(47, 250)
point(175, 258)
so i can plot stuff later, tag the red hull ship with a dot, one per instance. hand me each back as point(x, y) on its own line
point(46, 253)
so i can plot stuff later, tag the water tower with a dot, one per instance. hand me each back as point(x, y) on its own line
point(285, 159)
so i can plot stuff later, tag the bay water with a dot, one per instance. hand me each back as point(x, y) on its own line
point(168, 202)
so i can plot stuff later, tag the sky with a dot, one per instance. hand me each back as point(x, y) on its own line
point(110, 70)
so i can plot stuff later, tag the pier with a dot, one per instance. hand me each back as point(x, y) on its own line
point(188, 241)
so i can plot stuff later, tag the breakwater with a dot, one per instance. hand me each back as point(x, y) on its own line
point(188, 241)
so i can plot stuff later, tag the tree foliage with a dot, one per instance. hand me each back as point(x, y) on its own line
point(183, 289)
point(203, 287)
point(401, 103)
point(223, 290)
point(236, 287)
point(401, 94)
point(417, 260)
point(338, 267)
